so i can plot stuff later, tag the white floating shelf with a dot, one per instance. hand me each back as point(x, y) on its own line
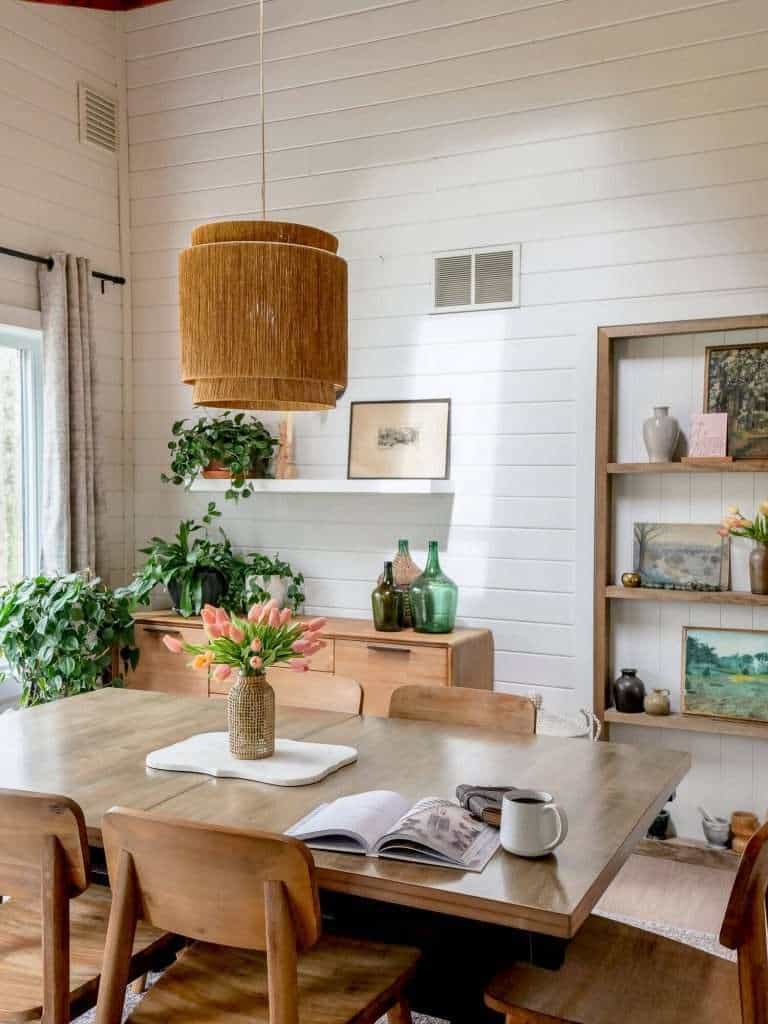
point(332, 486)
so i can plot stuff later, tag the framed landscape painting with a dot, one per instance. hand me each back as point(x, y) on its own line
point(396, 440)
point(681, 556)
point(725, 673)
point(736, 382)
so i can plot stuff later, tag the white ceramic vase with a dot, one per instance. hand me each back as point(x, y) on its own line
point(661, 433)
point(276, 587)
point(741, 548)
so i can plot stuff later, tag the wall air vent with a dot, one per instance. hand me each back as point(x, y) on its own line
point(98, 118)
point(486, 278)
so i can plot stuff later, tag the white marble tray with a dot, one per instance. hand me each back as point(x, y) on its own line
point(293, 763)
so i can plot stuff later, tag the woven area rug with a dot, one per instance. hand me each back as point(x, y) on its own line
point(701, 940)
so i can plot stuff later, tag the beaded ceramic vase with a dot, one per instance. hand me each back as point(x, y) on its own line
point(251, 718)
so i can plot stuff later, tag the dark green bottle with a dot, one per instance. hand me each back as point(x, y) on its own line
point(387, 603)
point(433, 597)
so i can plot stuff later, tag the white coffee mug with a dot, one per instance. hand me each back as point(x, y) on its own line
point(532, 824)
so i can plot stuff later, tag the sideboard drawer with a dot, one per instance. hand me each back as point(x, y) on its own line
point(380, 667)
point(159, 669)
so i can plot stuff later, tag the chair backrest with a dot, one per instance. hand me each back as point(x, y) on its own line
point(329, 693)
point(457, 706)
point(44, 852)
point(744, 927)
point(231, 887)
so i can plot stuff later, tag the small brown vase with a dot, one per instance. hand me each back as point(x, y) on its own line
point(251, 718)
point(758, 569)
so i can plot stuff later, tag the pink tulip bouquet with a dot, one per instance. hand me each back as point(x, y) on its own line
point(735, 523)
point(249, 646)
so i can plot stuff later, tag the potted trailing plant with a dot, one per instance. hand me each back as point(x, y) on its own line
point(195, 569)
point(224, 447)
point(246, 647)
point(58, 634)
point(267, 578)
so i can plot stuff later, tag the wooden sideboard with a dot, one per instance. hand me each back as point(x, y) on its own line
point(380, 662)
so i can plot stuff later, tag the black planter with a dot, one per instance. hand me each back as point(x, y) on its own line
point(214, 587)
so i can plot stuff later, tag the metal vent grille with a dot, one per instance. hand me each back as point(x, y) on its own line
point(453, 280)
point(98, 118)
point(494, 277)
point(487, 278)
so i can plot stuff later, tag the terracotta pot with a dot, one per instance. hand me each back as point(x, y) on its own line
point(216, 470)
point(758, 569)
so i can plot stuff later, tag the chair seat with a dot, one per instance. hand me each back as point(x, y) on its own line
point(614, 972)
point(21, 960)
point(340, 981)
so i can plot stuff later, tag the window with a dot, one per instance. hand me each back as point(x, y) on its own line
point(20, 430)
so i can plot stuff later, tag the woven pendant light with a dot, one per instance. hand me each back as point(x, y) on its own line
point(102, 5)
point(263, 311)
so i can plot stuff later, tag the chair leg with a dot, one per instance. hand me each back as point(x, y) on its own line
point(139, 985)
point(400, 1013)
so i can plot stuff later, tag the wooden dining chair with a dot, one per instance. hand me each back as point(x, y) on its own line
point(650, 977)
point(250, 901)
point(459, 706)
point(331, 693)
point(53, 927)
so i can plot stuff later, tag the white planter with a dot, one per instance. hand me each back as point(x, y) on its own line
point(740, 551)
point(276, 587)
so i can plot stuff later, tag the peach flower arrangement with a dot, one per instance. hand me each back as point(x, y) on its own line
point(735, 523)
point(249, 646)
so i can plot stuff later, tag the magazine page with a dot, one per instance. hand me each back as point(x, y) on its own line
point(440, 832)
point(352, 823)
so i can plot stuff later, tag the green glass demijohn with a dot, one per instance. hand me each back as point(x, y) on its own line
point(433, 597)
point(387, 603)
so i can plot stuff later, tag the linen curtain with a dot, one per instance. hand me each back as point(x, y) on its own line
point(68, 533)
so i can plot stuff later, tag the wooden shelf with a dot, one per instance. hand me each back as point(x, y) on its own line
point(690, 723)
point(332, 486)
point(684, 596)
point(737, 466)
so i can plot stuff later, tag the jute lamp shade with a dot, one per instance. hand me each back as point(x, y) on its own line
point(102, 5)
point(263, 316)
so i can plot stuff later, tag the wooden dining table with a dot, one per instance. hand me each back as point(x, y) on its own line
point(92, 748)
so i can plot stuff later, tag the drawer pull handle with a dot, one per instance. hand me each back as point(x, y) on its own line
point(389, 648)
point(165, 630)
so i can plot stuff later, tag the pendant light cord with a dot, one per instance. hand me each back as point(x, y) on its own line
point(263, 129)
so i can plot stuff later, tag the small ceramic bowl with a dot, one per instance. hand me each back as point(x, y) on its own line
point(717, 832)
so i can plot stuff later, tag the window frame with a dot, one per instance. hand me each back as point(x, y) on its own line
point(28, 342)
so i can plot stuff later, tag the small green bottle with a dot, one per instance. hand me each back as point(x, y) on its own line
point(433, 597)
point(387, 603)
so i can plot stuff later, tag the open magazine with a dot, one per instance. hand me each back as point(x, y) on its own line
point(381, 823)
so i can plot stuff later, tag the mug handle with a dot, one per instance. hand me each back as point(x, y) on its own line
point(562, 826)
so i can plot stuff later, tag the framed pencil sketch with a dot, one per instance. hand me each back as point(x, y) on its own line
point(725, 673)
point(736, 383)
point(399, 440)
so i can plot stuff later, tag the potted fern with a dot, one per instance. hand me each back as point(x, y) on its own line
point(233, 447)
point(195, 569)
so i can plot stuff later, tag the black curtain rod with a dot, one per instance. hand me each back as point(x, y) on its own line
point(48, 261)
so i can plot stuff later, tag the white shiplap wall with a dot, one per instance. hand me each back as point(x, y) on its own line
point(58, 195)
point(624, 143)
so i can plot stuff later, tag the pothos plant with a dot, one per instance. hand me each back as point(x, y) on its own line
point(242, 446)
point(57, 634)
